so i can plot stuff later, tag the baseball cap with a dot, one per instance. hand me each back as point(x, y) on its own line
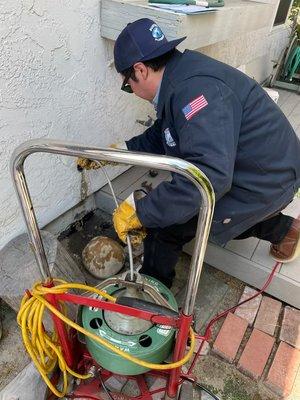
point(141, 40)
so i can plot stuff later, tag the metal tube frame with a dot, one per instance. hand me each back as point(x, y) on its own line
point(176, 165)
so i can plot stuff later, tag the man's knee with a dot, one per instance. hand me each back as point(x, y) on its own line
point(167, 235)
point(174, 234)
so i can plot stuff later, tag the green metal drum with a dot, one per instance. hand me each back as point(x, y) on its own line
point(139, 338)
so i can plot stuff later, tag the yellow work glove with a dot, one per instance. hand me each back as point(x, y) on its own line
point(86, 163)
point(126, 221)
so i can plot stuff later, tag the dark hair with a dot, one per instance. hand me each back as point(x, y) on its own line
point(160, 61)
point(155, 63)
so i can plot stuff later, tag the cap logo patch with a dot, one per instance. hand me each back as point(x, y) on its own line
point(157, 33)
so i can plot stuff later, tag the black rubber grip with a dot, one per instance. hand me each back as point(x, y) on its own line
point(146, 306)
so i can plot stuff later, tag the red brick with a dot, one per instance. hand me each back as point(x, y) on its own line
point(268, 314)
point(248, 310)
point(230, 336)
point(256, 353)
point(290, 329)
point(283, 370)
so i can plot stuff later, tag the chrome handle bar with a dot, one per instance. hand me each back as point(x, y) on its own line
point(172, 164)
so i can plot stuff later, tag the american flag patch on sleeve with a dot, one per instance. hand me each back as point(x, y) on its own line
point(194, 106)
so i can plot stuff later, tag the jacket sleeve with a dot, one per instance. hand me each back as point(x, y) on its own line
point(149, 142)
point(208, 139)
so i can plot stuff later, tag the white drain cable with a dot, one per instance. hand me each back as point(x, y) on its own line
point(128, 238)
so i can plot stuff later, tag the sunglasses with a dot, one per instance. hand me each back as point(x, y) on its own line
point(125, 85)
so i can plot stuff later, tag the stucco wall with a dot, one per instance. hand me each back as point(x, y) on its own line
point(57, 81)
point(256, 50)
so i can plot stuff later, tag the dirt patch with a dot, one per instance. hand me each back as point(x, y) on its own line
point(13, 356)
point(228, 383)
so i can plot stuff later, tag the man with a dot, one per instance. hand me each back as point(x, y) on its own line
point(223, 122)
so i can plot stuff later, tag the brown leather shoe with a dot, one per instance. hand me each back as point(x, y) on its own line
point(289, 248)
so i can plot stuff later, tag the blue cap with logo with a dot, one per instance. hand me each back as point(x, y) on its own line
point(141, 40)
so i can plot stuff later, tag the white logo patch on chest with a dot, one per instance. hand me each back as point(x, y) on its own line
point(169, 140)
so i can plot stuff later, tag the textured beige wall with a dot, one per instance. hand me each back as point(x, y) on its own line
point(56, 81)
point(255, 50)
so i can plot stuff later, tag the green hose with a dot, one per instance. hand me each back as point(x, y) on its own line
point(293, 64)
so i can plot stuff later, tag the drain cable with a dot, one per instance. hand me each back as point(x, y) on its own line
point(207, 334)
point(128, 236)
point(47, 347)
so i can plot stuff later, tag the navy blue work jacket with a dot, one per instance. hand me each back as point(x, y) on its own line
point(223, 122)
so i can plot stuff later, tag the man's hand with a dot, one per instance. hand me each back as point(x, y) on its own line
point(86, 163)
point(126, 221)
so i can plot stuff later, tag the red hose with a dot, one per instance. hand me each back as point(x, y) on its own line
point(207, 334)
point(87, 397)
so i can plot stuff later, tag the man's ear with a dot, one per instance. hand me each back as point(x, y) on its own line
point(141, 70)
